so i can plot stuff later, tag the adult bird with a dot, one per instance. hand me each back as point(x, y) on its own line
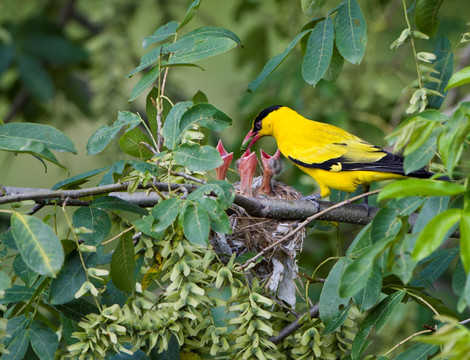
point(332, 156)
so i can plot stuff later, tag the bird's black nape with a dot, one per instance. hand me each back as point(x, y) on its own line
point(262, 115)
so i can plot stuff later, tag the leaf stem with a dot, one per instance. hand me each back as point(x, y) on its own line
point(412, 40)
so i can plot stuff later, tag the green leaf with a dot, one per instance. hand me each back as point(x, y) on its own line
point(319, 51)
point(309, 6)
point(189, 13)
point(450, 142)
point(95, 220)
point(103, 136)
point(420, 135)
point(418, 352)
point(123, 263)
point(18, 346)
point(224, 191)
point(434, 233)
point(386, 224)
point(162, 33)
point(199, 98)
point(465, 240)
point(437, 264)
point(406, 206)
point(145, 224)
point(460, 78)
point(433, 206)
point(443, 65)
point(14, 327)
point(208, 42)
point(38, 245)
point(403, 264)
point(369, 295)
point(426, 17)
point(25, 273)
point(331, 301)
point(355, 275)
point(132, 141)
point(196, 224)
point(147, 80)
point(337, 320)
point(197, 158)
point(17, 293)
point(420, 187)
point(148, 59)
point(351, 31)
point(206, 115)
point(55, 49)
point(115, 203)
point(272, 64)
point(459, 278)
point(35, 78)
point(44, 340)
point(77, 180)
point(165, 212)
point(171, 127)
point(182, 45)
point(423, 155)
point(5, 281)
point(218, 217)
point(27, 137)
point(378, 318)
point(361, 241)
point(335, 67)
point(68, 282)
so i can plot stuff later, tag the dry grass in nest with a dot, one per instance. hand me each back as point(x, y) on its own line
point(251, 234)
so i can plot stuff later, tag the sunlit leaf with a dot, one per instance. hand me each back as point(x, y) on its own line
point(434, 233)
point(197, 158)
point(351, 31)
point(272, 64)
point(103, 136)
point(171, 127)
point(420, 187)
point(319, 51)
point(162, 33)
point(460, 78)
point(38, 245)
point(196, 224)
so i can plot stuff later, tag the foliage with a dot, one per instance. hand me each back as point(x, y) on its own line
point(123, 280)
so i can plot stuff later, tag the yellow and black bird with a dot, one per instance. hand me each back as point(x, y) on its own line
point(332, 156)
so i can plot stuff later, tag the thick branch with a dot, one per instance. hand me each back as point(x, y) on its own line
point(263, 208)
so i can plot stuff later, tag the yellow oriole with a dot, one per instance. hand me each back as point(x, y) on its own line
point(332, 156)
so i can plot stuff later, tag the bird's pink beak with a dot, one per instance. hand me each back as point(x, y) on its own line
point(270, 168)
point(249, 140)
point(221, 171)
point(246, 167)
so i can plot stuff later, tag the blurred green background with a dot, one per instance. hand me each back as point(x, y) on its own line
point(63, 63)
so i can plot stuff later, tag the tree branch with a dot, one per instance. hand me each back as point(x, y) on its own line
point(263, 208)
point(294, 326)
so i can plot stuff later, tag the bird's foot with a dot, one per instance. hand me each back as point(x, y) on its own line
point(312, 199)
point(366, 205)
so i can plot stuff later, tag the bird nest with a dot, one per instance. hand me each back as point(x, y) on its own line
point(278, 265)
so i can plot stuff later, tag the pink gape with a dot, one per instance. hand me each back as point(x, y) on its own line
point(246, 168)
point(272, 165)
point(221, 171)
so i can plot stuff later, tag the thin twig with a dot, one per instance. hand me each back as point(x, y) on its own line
point(304, 224)
point(118, 235)
point(405, 340)
point(294, 326)
point(187, 177)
